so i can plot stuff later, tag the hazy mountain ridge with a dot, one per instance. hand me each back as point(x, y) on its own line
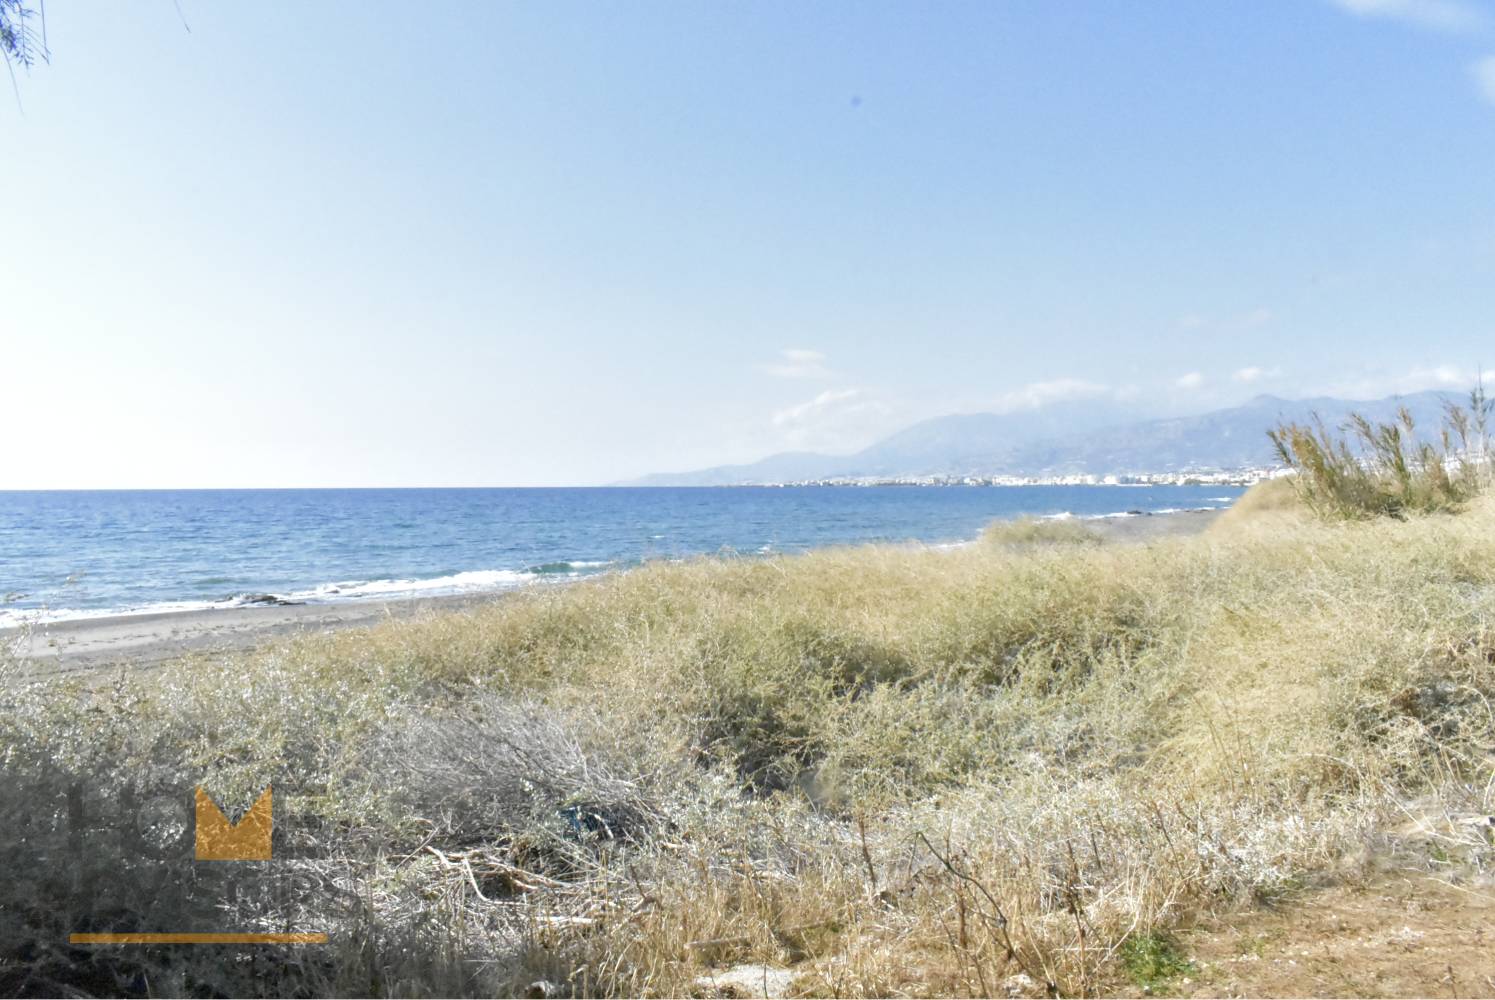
point(1064, 440)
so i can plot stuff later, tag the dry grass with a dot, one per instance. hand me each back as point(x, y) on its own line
point(1270, 505)
point(893, 770)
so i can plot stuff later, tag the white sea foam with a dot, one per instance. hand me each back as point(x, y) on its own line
point(18, 617)
point(457, 583)
point(1068, 515)
point(473, 581)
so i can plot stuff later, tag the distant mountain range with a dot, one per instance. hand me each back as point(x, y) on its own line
point(1062, 440)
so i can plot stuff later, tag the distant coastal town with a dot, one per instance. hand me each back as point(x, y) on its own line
point(1187, 477)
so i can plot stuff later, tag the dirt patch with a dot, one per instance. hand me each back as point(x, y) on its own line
point(1399, 936)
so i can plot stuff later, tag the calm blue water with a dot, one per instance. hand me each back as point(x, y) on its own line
point(67, 554)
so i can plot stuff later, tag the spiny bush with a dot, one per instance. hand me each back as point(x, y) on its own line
point(1374, 469)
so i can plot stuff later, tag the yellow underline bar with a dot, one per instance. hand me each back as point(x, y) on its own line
point(197, 938)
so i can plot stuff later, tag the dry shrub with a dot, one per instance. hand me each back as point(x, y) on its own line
point(891, 769)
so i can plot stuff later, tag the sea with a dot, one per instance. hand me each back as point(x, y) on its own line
point(79, 554)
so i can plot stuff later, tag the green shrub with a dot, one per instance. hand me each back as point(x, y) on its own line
point(1152, 961)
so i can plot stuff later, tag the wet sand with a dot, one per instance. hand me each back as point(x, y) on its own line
point(89, 644)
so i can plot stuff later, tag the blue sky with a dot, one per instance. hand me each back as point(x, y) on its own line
point(369, 243)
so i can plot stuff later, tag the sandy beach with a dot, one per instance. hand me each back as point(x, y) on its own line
point(140, 640)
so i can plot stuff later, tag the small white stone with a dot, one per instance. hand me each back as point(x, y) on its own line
point(1020, 985)
point(747, 981)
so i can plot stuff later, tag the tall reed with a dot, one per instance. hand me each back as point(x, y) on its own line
point(1367, 469)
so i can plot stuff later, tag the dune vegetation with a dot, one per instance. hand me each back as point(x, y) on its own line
point(1012, 768)
point(1370, 469)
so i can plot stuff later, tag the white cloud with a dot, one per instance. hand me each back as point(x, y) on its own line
point(827, 400)
point(1441, 377)
point(1255, 373)
point(1040, 394)
point(1193, 380)
point(1483, 72)
point(798, 362)
point(833, 420)
point(1444, 15)
point(1378, 384)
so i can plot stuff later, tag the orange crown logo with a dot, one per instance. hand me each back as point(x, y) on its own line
point(246, 840)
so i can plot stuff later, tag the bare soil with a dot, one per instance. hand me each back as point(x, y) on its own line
point(1407, 935)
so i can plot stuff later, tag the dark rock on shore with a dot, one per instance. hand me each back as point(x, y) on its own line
point(267, 599)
